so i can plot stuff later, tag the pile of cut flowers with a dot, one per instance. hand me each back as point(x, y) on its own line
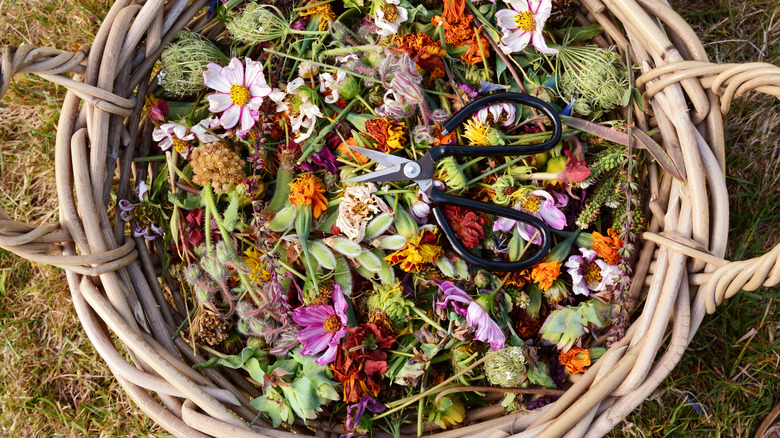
point(342, 302)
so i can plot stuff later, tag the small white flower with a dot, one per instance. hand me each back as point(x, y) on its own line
point(388, 16)
point(523, 23)
point(202, 134)
point(173, 134)
point(295, 101)
point(328, 83)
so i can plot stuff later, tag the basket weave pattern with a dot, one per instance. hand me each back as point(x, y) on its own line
point(680, 273)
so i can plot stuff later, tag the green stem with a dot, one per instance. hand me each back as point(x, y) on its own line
point(497, 169)
point(308, 32)
point(149, 158)
point(365, 78)
point(427, 319)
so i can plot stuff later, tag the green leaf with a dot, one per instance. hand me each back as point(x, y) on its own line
point(539, 376)
point(378, 226)
point(584, 33)
point(500, 67)
point(343, 276)
point(638, 98)
point(445, 267)
point(370, 261)
point(386, 273)
point(230, 217)
point(283, 220)
point(516, 245)
point(359, 121)
point(344, 246)
point(188, 203)
point(393, 242)
point(323, 254)
point(626, 97)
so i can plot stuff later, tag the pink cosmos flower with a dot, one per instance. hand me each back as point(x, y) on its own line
point(239, 92)
point(486, 330)
point(589, 273)
point(523, 23)
point(325, 326)
point(539, 204)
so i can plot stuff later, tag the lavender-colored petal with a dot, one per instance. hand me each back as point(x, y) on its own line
point(328, 357)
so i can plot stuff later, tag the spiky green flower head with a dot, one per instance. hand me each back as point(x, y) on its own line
point(183, 63)
point(506, 367)
point(257, 23)
point(448, 170)
point(389, 299)
point(504, 187)
point(594, 76)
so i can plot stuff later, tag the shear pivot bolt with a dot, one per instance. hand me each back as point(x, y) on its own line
point(412, 170)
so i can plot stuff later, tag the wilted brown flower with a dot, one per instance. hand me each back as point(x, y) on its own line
point(217, 164)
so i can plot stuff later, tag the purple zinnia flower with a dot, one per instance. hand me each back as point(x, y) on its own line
point(590, 274)
point(323, 158)
point(324, 327)
point(539, 204)
point(355, 411)
point(486, 330)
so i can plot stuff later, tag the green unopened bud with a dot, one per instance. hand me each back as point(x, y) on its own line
point(243, 327)
point(507, 367)
point(405, 223)
point(202, 295)
point(348, 88)
point(449, 171)
point(192, 273)
point(214, 267)
point(482, 279)
point(556, 293)
point(556, 164)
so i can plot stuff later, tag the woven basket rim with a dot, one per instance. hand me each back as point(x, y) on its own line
point(114, 283)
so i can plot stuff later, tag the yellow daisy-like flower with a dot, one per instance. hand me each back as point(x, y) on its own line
point(324, 12)
point(481, 134)
point(257, 271)
point(418, 251)
point(307, 189)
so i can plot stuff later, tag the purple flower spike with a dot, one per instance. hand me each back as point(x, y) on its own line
point(325, 326)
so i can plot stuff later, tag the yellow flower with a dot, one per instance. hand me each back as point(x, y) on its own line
point(324, 12)
point(307, 189)
point(389, 134)
point(419, 250)
point(257, 270)
point(545, 274)
point(481, 134)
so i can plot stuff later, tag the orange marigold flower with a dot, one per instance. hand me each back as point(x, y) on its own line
point(546, 273)
point(426, 51)
point(474, 55)
point(389, 134)
point(457, 25)
point(607, 247)
point(344, 148)
point(575, 360)
point(307, 189)
point(419, 250)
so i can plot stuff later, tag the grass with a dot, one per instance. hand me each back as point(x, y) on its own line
point(54, 383)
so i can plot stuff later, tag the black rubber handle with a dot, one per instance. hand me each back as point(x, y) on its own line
point(438, 197)
point(484, 151)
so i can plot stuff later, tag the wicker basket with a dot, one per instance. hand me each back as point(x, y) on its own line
point(680, 273)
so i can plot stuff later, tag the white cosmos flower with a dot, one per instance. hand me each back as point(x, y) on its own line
point(388, 16)
point(173, 134)
point(296, 102)
point(239, 94)
point(328, 82)
point(203, 134)
point(523, 23)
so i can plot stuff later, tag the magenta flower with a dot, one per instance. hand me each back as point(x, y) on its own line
point(240, 92)
point(324, 327)
point(486, 330)
point(539, 204)
point(589, 273)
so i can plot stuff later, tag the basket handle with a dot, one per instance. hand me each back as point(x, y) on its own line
point(42, 244)
point(729, 277)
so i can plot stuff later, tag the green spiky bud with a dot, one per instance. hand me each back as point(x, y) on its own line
point(182, 63)
point(390, 300)
point(504, 187)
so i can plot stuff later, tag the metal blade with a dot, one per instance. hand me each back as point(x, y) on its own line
point(393, 173)
point(385, 160)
